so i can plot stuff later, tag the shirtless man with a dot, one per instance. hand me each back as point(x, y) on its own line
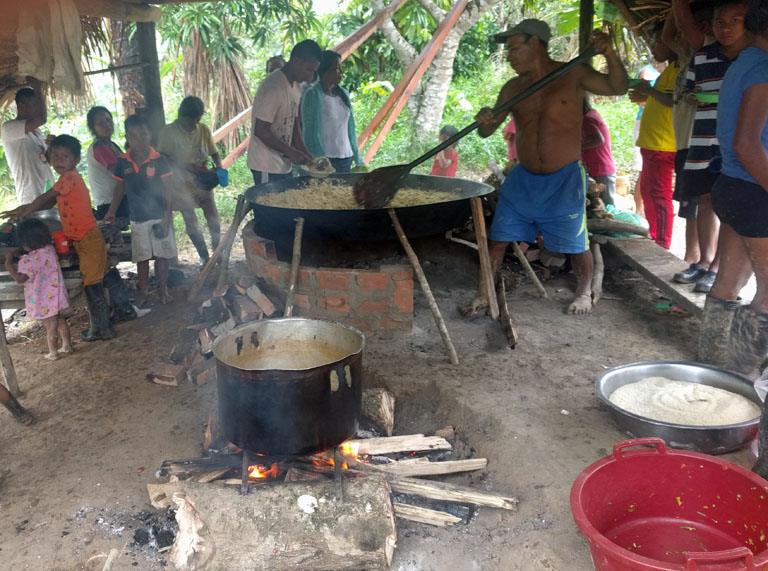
point(546, 192)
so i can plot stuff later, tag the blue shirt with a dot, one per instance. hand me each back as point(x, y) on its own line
point(750, 69)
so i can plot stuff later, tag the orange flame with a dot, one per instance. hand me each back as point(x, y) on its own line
point(259, 472)
point(350, 449)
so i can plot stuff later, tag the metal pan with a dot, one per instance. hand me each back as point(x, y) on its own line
point(369, 224)
point(706, 439)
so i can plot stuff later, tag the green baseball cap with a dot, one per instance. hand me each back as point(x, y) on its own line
point(529, 27)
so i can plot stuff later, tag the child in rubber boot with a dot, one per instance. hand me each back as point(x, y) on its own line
point(45, 295)
point(9, 401)
point(143, 177)
point(74, 202)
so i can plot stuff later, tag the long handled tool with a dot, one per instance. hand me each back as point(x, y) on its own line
point(377, 188)
point(295, 261)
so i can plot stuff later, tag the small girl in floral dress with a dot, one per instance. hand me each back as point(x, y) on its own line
point(45, 294)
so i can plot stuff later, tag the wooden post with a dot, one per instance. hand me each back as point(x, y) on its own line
point(586, 23)
point(295, 262)
point(6, 364)
point(153, 91)
point(454, 358)
point(487, 275)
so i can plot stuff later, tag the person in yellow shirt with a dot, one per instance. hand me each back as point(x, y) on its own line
point(187, 143)
point(657, 144)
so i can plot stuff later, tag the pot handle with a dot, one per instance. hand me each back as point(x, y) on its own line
point(741, 554)
point(658, 443)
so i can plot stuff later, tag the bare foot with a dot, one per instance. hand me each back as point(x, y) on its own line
point(52, 356)
point(66, 350)
point(165, 297)
point(140, 298)
point(473, 307)
point(581, 305)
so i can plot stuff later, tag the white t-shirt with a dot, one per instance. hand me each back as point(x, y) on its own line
point(25, 153)
point(276, 102)
point(335, 128)
point(100, 178)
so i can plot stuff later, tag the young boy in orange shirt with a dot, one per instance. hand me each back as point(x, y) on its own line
point(74, 202)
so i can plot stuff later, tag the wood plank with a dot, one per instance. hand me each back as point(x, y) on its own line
point(406, 468)
point(239, 151)
point(231, 125)
point(393, 444)
point(451, 493)
point(349, 44)
point(424, 515)
point(658, 265)
point(421, 65)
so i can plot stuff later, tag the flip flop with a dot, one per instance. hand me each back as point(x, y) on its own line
point(670, 308)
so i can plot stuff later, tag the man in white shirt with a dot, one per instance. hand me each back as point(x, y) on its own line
point(25, 146)
point(276, 143)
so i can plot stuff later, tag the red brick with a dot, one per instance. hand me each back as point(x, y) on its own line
point(246, 309)
point(333, 279)
point(258, 249)
point(380, 306)
point(388, 323)
point(202, 372)
point(304, 278)
point(301, 300)
point(338, 302)
point(372, 281)
point(404, 285)
point(403, 275)
point(245, 281)
point(186, 343)
point(403, 300)
point(166, 374)
point(271, 272)
point(258, 297)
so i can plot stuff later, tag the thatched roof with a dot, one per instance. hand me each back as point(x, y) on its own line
point(91, 12)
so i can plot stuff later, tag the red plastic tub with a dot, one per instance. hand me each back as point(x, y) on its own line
point(60, 242)
point(659, 509)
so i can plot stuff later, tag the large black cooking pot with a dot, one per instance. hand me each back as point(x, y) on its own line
point(372, 224)
point(289, 386)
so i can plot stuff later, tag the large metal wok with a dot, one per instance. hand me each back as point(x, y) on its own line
point(369, 224)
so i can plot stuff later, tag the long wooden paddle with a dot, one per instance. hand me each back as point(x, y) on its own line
point(377, 188)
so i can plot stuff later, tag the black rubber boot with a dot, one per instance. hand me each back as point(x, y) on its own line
point(20, 413)
point(198, 240)
point(748, 345)
point(100, 330)
point(122, 310)
point(716, 330)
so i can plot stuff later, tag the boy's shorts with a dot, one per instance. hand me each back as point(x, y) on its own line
point(554, 204)
point(145, 245)
point(742, 205)
point(697, 183)
point(92, 254)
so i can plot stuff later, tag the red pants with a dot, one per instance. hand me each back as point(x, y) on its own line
point(656, 189)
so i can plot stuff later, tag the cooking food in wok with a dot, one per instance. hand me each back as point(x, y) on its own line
point(439, 204)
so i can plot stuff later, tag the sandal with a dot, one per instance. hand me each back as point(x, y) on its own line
point(670, 308)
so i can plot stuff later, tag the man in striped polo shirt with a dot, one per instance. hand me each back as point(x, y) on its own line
point(705, 75)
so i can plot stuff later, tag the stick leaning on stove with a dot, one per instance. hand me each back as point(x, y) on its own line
point(377, 188)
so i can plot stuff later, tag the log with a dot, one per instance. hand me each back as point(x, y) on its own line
point(379, 409)
point(194, 466)
point(424, 515)
point(117, 10)
point(607, 225)
point(451, 493)
point(406, 468)
point(529, 270)
point(297, 526)
point(393, 444)
point(6, 364)
point(211, 476)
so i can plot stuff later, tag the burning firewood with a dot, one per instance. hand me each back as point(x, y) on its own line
point(393, 444)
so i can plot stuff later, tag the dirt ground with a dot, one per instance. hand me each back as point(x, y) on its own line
point(75, 482)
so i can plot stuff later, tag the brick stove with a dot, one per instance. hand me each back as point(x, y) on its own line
point(378, 296)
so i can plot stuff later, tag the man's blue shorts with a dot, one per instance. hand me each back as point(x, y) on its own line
point(554, 204)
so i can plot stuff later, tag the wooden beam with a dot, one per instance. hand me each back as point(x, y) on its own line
point(231, 125)
point(6, 363)
point(586, 23)
point(420, 67)
point(117, 10)
point(239, 151)
point(353, 41)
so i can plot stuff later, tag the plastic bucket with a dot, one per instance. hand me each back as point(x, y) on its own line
point(659, 509)
point(60, 242)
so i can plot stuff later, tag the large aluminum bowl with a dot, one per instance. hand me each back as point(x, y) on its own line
point(706, 439)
